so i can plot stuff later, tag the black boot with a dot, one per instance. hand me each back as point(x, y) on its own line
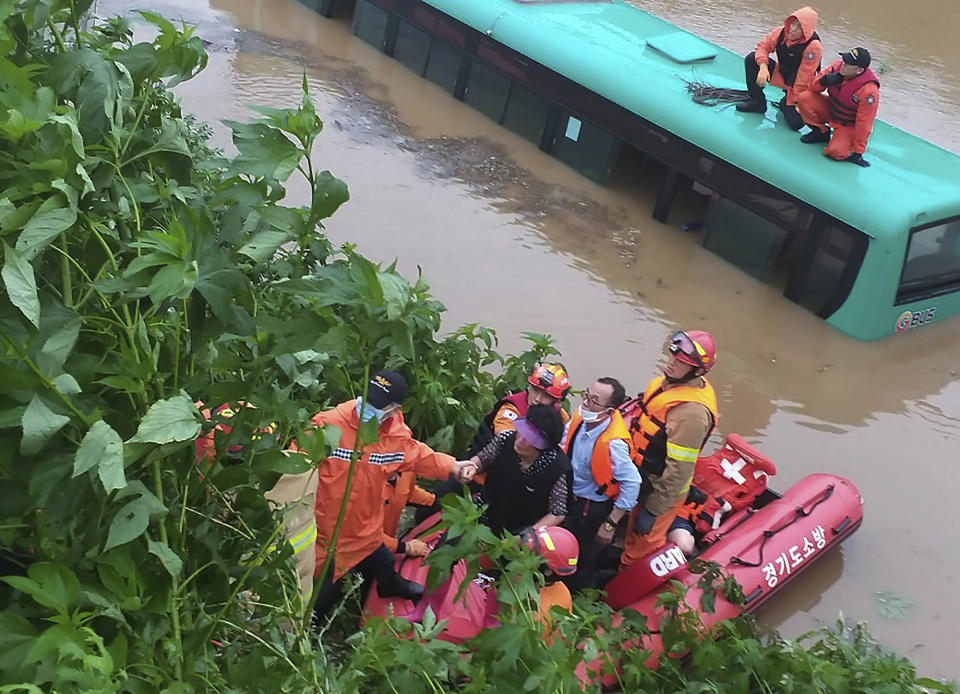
point(753, 106)
point(790, 115)
point(396, 586)
point(815, 136)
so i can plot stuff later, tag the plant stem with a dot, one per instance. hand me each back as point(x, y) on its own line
point(66, 279)
point(50, 385)
point(174, 610)
point(61, 44)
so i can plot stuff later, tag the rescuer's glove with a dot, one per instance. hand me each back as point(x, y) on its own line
point(643, 522)
point(831, 79)
point(857, 158)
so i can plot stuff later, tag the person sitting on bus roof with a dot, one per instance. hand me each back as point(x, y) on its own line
point(849, 106)
point(797, 48)
point(527, 475)
point(678, 412)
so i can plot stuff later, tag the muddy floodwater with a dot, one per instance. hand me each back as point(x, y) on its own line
point(509, 237)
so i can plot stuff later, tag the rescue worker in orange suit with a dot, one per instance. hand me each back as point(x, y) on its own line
point(678, 412)
point(360, 541)
point(605, 480)
point(293, 495)
point(548, 384)
point(560, 551)
point(402, 489)
point(788, 57)
point(849, 107)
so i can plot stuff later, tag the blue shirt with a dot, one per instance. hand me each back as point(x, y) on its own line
point(624, 471)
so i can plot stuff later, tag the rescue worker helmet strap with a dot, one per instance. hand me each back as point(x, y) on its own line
point(695, 348)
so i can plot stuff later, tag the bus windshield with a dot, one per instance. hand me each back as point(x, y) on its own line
point(932, 263)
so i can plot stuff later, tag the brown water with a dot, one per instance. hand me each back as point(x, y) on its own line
point(511, 238)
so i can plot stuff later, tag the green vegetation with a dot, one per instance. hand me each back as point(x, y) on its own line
point(141, 272)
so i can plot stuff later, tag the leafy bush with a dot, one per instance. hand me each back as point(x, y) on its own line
point(143, 272)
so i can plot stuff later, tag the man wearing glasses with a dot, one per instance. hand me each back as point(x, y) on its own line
point(605, 480)
point(678, 412)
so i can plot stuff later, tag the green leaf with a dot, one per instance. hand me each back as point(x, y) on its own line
point(264, 151)
point(173, 419)
point(329, 193)
point(132, 520)
point(50, 220)
point(50, 641)
point(51, 585)
point(171, 562)
point(67, 384)
point(58, 346)
point(262, 246)
point(21, 284)
point(39, 423)
point(16, 637)
point(102, 448)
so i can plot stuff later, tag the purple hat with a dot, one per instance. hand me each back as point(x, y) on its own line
point(533, 436)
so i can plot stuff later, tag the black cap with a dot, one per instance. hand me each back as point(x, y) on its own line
point(858, 56)
point(385, 388)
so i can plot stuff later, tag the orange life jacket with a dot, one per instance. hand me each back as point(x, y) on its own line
point(649, 426)
point(601, 467)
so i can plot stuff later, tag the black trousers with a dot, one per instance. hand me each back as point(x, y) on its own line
point(790, 115)
point(752, 70)
point(378, 565)
point(584, 518)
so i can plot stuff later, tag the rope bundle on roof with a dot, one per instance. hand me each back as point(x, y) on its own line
point(709, 95)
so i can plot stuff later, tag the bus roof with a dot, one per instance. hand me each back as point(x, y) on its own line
point(606, 47)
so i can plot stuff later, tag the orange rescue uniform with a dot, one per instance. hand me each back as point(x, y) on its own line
point(395, 451)
point(814, 108)
point(396, 495)
point(813, 51)
point(674, 424)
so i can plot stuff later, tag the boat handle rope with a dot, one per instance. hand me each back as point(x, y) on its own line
point(767, 534)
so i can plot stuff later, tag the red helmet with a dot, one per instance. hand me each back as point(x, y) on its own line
point(556, 545)
point(552, 379)
point(696, 348)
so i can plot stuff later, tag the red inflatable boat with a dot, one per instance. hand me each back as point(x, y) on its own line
point(761, 538)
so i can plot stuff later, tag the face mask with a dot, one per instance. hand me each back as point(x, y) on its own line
point(369, 412)
point(589, 417)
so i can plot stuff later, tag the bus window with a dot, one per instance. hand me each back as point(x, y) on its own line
point(590, 150)
point(370, 23)
point(742, 237)
point(412, 47)
point(824, 284)
point(932, 264)
point(443, 65)
point(487, 90)
point(527, 113)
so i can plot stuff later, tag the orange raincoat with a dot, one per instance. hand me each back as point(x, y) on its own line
point(810, 63)
point(397, 495)
point(363, 523)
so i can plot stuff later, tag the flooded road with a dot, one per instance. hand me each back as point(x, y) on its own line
point(509, 237)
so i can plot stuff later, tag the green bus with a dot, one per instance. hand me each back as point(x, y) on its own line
point(602, 86)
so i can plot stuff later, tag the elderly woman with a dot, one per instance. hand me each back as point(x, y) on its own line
point(527, 475)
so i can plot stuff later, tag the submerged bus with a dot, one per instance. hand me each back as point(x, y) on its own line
point(601, 85)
